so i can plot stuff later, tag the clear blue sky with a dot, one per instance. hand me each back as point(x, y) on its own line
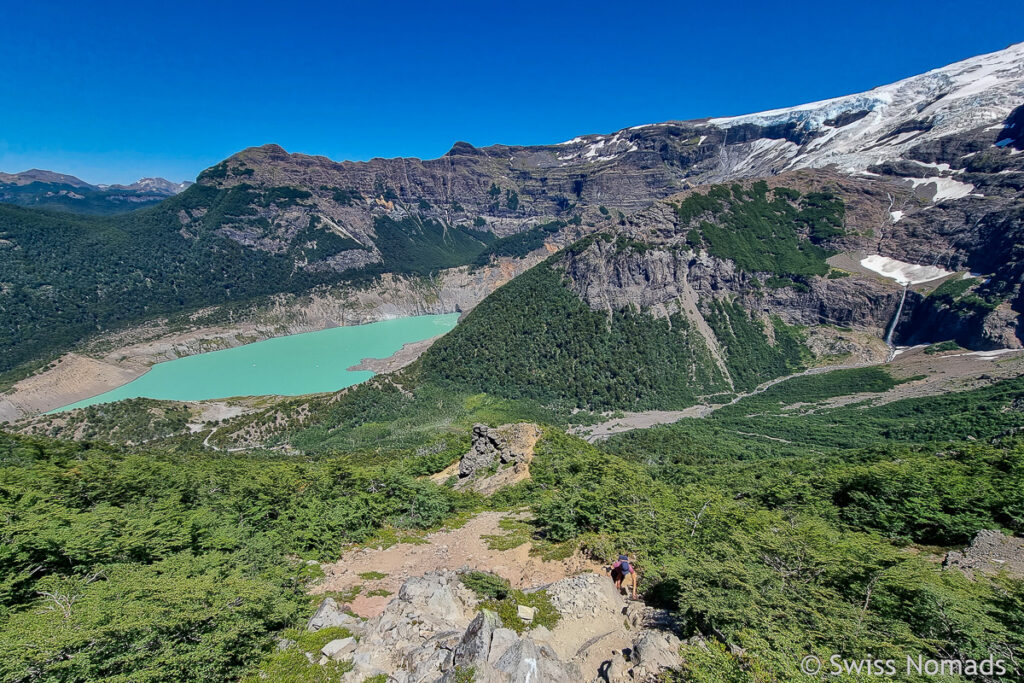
point(112, 92)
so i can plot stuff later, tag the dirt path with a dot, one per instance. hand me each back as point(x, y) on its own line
point(934, 374)
point(450, 549)
point(651, 418)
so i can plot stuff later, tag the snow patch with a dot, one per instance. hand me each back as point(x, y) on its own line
point(896, 216)
point(945, 188)
point(900, 271)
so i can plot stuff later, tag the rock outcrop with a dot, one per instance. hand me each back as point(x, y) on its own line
point(330, 614)
point(434, 630)
point(498, 457)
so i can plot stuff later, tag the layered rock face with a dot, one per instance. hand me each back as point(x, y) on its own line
point(651, 266)
point(923, 131)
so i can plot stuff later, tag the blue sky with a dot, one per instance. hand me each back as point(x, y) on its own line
point(115, 91)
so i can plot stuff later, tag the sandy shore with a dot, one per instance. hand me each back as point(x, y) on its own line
point(75, 377)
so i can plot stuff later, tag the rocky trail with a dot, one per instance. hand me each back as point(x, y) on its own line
point(412, 615)
point(434, 629)
point(465, 547)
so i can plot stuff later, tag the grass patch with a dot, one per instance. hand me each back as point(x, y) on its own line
point(949, 345)
point(372, 576)
point(291, 664)
point(379, 592)
point(348, 595)
point(520, 532)
point(499, 597)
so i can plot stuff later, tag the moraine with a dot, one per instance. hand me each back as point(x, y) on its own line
point(287, 366)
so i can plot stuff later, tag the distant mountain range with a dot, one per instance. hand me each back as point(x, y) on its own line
point(59, 191)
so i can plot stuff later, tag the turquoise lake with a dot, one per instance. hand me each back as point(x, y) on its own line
point(287, 366)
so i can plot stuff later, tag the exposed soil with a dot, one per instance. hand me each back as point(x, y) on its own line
point(446, 549)
point(409, 352)
point(73, 378)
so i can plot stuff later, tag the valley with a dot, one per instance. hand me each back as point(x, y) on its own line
point(776, 360)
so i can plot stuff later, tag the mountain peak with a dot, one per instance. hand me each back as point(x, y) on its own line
point(858, 130)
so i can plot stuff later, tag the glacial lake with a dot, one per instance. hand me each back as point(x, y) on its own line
point(286, 366)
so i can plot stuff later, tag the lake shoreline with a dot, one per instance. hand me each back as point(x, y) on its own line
point(292, 365)
point(118, 357)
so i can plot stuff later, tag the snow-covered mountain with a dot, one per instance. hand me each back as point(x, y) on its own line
point(153, 185)
point(979, 101)
point(861, 130)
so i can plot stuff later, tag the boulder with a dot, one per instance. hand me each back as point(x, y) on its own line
point(498, 457)
point(330, 613)
point(616, 670)
point(475, 645)
point(586, 596)
point(501, 641)
point(338, 648)
point(485, 449)
point(525, 613)
point(529, 662)
point(656, 650)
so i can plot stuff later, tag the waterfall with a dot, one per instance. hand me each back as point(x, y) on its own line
point(895, 321)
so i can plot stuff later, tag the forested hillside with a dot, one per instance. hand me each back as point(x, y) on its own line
point(154, 564)
point(534, 338)
point(65, 276)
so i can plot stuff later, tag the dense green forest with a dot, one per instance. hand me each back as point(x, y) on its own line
point(775, 231)
point(534, 338)
point(519, 244)
point(76, 199)
point(65, 276)
point(143, 566)
point(160, 564)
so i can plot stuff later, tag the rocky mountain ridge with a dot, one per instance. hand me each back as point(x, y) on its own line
point(904, 130)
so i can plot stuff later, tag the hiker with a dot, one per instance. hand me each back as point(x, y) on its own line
point(623, 570)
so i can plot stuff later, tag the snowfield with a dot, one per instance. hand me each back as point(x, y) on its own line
point(903, 273)
point(963, 96)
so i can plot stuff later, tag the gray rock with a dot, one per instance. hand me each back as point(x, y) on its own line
point(501, 640)
point(990, 552)
point(528, 662)
point(617, 670)
point(338, 648)
point(655, 650)
point(483, 453)
point(330, 613)
point(475, 645)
